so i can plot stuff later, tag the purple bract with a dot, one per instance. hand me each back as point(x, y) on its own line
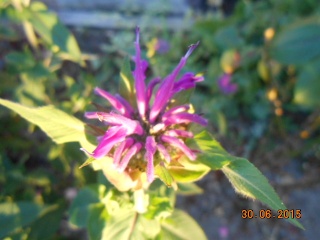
point(136, 137)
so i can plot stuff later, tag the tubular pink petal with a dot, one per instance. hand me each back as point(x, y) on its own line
point(164, 152)
point(179, 133)
point(191, 48)
point(175, 110)
point(139, 78)
point(84, 150)
point(91, 115)
point(162, 97)
point(144, 66)
point(165, 90)
point(132, 126)
point(121, 148)
point(187, 81)
point(112, 100)
point(108, 142)
point(185, 118)
point(131, 152)
point(179, 144)
point(150, 151)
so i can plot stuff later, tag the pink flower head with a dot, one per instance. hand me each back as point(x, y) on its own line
point(144, 137)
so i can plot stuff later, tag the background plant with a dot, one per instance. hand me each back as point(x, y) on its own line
point(41, 64)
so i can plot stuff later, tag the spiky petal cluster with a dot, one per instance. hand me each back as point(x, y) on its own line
point(153, 127)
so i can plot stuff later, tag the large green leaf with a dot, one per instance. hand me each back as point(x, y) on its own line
point(307, 88)
point(244, 176)
point(297, 44)
point(120, 226)
point(212, 153)
point(128, 224)
point(180, 226)
point(17, 215)
point(59, 126)
point(250, 182)
point(189, 171)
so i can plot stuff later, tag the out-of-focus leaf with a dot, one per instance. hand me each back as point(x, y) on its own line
point(297, 44)
point(145, 228)
point(8, 33)
point(248, 181)
point(126, 85)
point(120, 226)
point(17, 215)
point(182, 97)
point(82, 205)
point(164, 175)
point(47, 224)
point(20, 60)
point(228, 37)
point(189, 189)
point(180, 226)
point(159, 208)
point(32, 91)
point(127, 224)
point(307, 88)
point(60, 126)
point(54, 33)
point(98, 217)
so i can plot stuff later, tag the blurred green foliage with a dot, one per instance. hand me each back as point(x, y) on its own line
point(271, 48)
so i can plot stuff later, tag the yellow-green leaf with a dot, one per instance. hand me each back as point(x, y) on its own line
point(58, 125)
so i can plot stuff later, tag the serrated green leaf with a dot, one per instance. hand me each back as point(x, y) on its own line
point(244, 176)
point(212, 153)
point(180, 226)
point(16, 215)
point(297, 44)
point(58, 125)
point(248, 181)
point(126, 85)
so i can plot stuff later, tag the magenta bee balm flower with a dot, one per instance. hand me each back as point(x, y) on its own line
point(149, 135)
